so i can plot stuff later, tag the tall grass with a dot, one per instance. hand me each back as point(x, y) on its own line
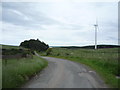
point(17, 72)
point(104, 61)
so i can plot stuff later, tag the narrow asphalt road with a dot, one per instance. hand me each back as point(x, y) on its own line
point(62, 73)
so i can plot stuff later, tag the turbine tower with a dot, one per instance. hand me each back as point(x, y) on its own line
point(96, 25)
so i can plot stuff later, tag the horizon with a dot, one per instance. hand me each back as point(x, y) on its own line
point(68, 46)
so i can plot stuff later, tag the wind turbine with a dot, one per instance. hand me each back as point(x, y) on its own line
point(96, 27)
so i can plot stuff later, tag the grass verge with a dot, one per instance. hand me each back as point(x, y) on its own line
point(17, 72)
point(104, 72)
point(103, 61)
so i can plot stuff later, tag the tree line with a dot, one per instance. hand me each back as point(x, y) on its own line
point(34, 45)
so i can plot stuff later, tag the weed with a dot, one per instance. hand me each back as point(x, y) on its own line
point(17, 72)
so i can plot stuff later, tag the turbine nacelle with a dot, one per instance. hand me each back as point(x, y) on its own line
point(95, 25)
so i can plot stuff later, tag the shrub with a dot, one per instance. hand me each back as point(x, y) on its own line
point(49, 50)
point(34, 45)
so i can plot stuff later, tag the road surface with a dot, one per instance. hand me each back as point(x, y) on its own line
point(62, 73)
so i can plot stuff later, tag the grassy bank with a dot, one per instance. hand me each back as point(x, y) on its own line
point(104, 61)
point(17, 72)
point(11, 47)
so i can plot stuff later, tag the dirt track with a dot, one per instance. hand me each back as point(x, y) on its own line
point(62, 73)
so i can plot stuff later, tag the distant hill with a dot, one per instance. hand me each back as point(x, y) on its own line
point(90, 47)
point(10, 47)
point(102, 46)
point(12, 52)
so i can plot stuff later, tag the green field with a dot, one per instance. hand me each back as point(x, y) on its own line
point(104, 61)
point(11, 47)
point(17, 72)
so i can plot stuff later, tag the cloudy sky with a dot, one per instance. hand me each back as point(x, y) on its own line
point(65, 23)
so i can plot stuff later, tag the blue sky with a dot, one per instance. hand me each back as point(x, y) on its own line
point(65, 23)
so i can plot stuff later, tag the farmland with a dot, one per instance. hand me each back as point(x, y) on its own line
point(10, 47)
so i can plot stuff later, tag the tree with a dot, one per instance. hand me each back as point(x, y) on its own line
point(34, 45)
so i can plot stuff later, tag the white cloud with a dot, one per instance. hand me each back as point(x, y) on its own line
point(17, 12)
point(20, 14)
point(65, 23)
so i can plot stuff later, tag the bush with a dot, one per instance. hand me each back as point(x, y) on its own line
point(34, 45)
point(16, 53)
point(58, 54)
point(49, 50)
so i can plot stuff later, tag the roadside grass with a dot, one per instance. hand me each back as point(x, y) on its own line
point(103, 61)
point(16, 72)
point(11, 47)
